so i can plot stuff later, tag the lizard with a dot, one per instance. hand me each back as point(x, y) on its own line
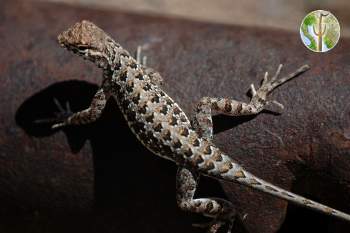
point(164, 129)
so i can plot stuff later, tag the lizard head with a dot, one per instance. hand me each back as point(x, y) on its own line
point(89, 41)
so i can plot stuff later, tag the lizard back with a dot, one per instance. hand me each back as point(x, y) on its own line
point(156, 120)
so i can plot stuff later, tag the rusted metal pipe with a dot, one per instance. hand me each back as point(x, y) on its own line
point(83, 171)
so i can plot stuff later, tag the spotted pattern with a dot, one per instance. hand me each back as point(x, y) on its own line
point(162, 127)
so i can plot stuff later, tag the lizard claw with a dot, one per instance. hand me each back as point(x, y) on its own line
point(259, 96)
point(252, 90)
point(62, 115)
point(56, 126)
point(267, 84)
point(278, 104)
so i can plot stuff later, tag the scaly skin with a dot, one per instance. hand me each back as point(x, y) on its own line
point(163, 128)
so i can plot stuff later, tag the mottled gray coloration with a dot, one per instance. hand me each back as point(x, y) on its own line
point(161, 126)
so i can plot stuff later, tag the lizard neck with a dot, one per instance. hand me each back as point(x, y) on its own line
point(118, 58)
point(123, 67)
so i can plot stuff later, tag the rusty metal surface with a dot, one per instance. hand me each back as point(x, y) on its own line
point(78, 179)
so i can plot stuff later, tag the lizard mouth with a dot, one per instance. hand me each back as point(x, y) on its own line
point(79, 49)
point(83, 48)
point(86, 53)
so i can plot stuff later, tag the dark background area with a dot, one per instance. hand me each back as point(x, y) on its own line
point(98, 178)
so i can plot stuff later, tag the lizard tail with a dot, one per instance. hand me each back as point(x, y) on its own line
point(238, 174)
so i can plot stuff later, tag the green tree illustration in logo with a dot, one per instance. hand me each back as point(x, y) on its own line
point(320, 31)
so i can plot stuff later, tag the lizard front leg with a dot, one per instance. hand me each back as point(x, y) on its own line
point(202, 121)
point(89, 115)
point(220, 210)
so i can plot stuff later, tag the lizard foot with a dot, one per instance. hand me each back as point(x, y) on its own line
point(259, 97)
point(62, 115)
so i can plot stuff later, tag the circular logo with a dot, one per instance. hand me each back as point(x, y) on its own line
point(320, 31)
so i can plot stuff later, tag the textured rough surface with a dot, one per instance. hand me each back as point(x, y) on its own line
point(46, 176)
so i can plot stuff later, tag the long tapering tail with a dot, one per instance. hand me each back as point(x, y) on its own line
point(240, 175)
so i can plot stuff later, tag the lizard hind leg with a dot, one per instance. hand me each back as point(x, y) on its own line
point(259, 97)
point(220, 210)
point(202, 121)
